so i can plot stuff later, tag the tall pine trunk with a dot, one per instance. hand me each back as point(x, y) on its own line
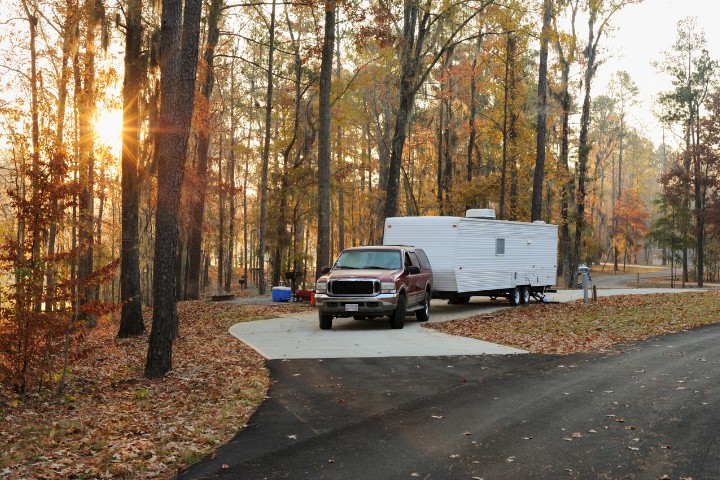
point(179, 36)
point(87, 107)
point(266, 156)
point(197, 206)
point(131, 321)
point(539, 175)
point(323, 237)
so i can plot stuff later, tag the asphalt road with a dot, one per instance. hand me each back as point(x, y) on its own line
point(646, 410)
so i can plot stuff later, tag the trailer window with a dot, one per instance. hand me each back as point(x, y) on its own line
point(499, 246)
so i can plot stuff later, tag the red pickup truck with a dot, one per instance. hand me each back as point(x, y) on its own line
point(375, 281)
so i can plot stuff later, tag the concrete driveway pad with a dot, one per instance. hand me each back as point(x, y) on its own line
point(298, 336)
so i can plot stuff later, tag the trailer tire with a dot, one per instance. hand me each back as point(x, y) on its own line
point(525, 295)
point(423, 315)
point(325, 321)
point(397, 318)
point(515, 296)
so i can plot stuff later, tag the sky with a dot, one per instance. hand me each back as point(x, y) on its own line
point(641, 33)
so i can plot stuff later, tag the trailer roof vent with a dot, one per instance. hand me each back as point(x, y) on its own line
point(483, 213)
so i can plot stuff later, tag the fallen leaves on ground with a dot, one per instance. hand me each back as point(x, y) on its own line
point(111, 422)
point(577, 327)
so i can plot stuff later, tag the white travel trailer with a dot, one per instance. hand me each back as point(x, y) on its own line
point(477, 255)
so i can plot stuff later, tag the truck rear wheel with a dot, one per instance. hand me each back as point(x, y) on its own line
point(325, 321)
point(423, 315)
point(397, 318)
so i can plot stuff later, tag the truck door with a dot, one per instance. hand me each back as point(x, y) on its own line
point(415, 287)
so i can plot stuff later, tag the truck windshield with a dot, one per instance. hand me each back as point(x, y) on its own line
point(357, 259)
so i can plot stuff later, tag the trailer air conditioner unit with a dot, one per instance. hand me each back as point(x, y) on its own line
point(482, 213)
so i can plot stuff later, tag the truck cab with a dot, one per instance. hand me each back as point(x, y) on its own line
point(375, 281)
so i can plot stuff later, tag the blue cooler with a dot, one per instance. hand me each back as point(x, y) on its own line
point(281, 294)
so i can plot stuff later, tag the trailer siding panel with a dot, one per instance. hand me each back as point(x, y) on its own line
point(462, 251)
point(439, 240)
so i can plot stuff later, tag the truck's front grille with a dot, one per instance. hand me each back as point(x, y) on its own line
point(354, 287)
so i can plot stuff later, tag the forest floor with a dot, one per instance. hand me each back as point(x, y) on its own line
point(113, 423)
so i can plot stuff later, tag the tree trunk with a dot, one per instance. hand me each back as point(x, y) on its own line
point(584, 146)
point(473, 112)
point(506, 95)
point(266, 155)
point(179, 36)
point(232, 190)
point(566, 59)
point(197, 202)
point(59, 163)
point(87, 108)
point(323, 236)
point(699, 205)
point(131, 321)
point(221, 222)
point(539, 176)
point(339, 150)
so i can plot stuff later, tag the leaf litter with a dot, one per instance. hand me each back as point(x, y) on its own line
point(566, 328)
point(111, 422)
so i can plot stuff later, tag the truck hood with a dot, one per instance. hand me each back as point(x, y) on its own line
point(362, 274)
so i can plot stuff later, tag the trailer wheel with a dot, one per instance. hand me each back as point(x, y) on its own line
point(515, 296)
point(525, 295)
point(423, 315)
point(325, 321)
point(397, 318)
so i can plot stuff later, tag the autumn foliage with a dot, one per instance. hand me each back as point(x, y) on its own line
point(40, 318)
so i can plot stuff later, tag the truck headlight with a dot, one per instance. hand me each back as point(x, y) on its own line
point(387, 287)
point(321, 287)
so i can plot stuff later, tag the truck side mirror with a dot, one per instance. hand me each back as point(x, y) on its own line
point(324, 270)
point(413, 270)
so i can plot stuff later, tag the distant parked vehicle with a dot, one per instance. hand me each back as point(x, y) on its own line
point(477, 255)
point(375, 281)
point(302, 295)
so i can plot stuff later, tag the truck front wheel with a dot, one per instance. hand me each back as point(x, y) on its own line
point(397, 318)
point(325, 321)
